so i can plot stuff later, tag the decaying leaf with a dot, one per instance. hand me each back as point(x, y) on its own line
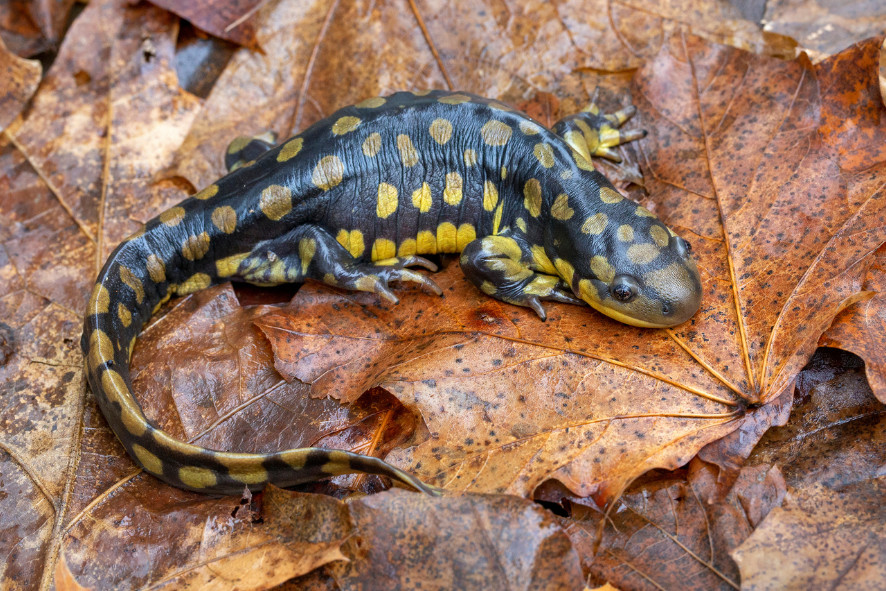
point(665, 534)
point(861, 328)
point(30, 28)
point(226, 19)
point(820, 538)
point(18, 81)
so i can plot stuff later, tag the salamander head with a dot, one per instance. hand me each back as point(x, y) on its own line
point(625, 263)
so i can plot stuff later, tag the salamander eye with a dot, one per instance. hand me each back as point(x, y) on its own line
point(683, 246)
point(624, 288)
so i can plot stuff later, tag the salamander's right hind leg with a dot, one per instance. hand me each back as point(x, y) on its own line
point(244, 149)
point(311, 251)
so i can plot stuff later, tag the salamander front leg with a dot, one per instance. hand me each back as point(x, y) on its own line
point(311, 251)
point(501, 266)
point(592, 133)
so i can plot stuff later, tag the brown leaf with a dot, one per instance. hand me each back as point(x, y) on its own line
point(509, 401)
point(820, 539)
point(18, 81)
point(404, 540)
point(830, 531)
point(664, 534)
point(226, 19)
point(179, 540)
point(861, 328)
point(32, 27)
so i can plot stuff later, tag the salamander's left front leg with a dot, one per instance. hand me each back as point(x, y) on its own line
point(592, 133)
point(505, 268)
point(311, 251)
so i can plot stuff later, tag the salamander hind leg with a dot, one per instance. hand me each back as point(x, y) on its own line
point(592, 133)
point(506, 269)
point(311, 251)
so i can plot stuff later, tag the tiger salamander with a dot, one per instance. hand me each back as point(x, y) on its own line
point(354, 201)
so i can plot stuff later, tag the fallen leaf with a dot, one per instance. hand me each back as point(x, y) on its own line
point(861, 328)
point(31, 28)
point(665, 534)
point(206, 543)
point(820, 539)
point(20, 78)
point(226, 19)
point(404, 540)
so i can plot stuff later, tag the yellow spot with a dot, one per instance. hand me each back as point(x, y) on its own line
point(149, 461)
point(426, 242)
point(387, 200)
point(290, 149)
point(454, 99)
point(608, 195)
point(366, 283)
point(566, 174)
point(470, 157)
point(345, 125)
point(195, 247)
point(529, 128)
point(490, 196)
point(544, 153)
point(595, 224)
point(371, 103)
point(383, 248)
point(532, 197)
point(582, 161)
point(421, 198)
point(100, 349)
point(447, 238)
point(641, 254)
point(541, 260)
point(114, 387)
point(496, 219)
point(466, 233)
point(306, 249)
point(625, 233)
point(207, 193)
point(156, 269)
point(488, 288)
point(228, 266)
point(495, 133)
point(134, 283)
point(408, 154)
point(588, 291)
point(441, 130)
point(643, 212)
point(99, 300)
point(542, 285)
point(197, 478)
point(172, 217)
point(251, 475)
point(238, 144)
point(565, 270)
point(521, 224)
point(137, 234)
point(560, 209)
point(659, 235)
point(124, 314)
point(328, 173)
point(453, 191)
point(276, 201)
point(504, 172)
point(424, 92)
point(407, 248)
point(225, 219)
point(352, 241)
point(195, 282)
point(372, 144)
point(329, 279)
point(602, 269)
point(498, 106)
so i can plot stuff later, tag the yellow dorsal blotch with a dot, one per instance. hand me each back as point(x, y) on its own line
point(388, 200)
point(421, 198)
point(452, 194)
